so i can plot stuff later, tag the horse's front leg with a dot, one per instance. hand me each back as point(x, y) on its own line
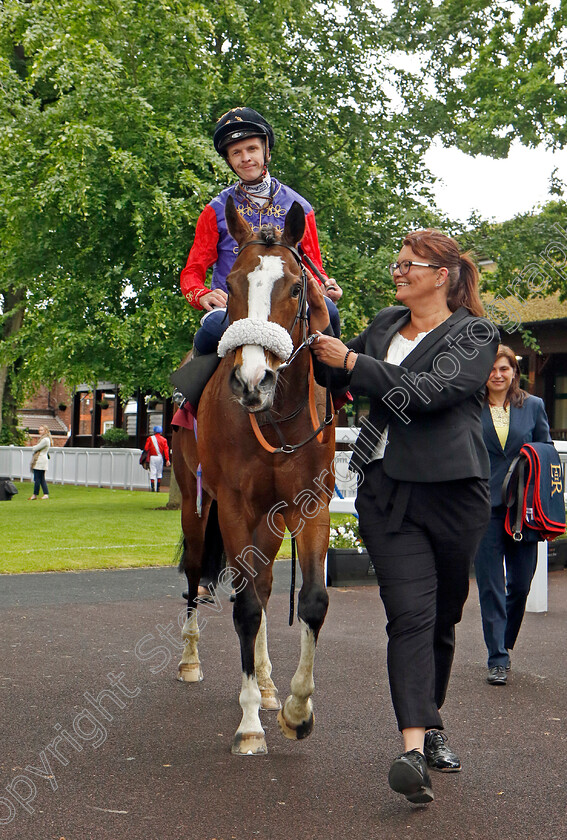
point(247, 616)
point(250, 737)
point(296, 719)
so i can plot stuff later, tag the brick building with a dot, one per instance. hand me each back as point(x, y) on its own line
point(51, 407)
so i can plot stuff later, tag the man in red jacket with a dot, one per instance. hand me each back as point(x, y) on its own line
point(157, 446)
point(245, 140)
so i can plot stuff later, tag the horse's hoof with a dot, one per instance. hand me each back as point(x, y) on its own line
point(295, 733)
point(249, 743)
point(270, 701)
point(190, 673)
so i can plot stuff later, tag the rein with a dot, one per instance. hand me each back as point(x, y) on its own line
point(318, 432)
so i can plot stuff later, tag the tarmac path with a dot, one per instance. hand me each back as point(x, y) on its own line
point(144, 757)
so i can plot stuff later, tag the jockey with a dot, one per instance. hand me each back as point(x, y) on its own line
point(245, 140)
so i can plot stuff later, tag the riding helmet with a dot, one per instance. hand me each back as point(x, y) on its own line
point(239, 123)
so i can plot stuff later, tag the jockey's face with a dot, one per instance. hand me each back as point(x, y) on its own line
point(246, 157)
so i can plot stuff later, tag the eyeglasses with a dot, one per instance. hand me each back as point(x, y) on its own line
point(405, 266)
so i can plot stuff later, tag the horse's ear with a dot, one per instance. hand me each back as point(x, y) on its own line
point(294, 227)
point(238, 227)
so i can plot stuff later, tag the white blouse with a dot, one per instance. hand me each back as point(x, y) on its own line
point(399, 348)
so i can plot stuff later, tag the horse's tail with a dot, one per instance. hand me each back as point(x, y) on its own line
point(213, 549)
point(179, 553)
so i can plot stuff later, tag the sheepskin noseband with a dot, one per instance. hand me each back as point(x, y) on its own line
point(265, 334)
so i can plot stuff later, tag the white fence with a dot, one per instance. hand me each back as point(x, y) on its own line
point(114, 468)
point(120, 467)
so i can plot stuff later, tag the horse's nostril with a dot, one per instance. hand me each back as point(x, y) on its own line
point(235, 381)
point(267, 381)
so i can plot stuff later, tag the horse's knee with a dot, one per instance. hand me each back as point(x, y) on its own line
point(313, 605)
point(247, 615)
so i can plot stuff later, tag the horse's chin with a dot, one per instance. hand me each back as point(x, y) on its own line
point(254, 408)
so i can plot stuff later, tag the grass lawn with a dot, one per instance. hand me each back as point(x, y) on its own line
point(91, 528)
point(86, 528)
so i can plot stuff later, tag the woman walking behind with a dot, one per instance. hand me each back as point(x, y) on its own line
point(39, 463)
point(423, 498)
point(510, 418)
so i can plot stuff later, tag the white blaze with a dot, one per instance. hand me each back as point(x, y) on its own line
point(260, 285)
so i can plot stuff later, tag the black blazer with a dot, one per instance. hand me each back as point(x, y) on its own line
point(528, 424)
point(432, 402)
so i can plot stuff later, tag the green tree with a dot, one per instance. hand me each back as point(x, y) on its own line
point(492, 70)
point(106, 160)
point(530, 256)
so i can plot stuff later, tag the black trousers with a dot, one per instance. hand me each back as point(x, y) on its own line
point(423, 568)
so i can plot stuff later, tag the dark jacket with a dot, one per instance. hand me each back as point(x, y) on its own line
point(432, 402)
point(528, 424)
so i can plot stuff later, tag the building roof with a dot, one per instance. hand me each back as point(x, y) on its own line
point(533, 310)
point(33, 420)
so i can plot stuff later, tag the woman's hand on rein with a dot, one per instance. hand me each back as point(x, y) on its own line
point(331, 351)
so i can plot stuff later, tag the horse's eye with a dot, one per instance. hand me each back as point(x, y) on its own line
point(229, 288)
point(296, 290)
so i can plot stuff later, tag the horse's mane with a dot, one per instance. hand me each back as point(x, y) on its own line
point(269, 234)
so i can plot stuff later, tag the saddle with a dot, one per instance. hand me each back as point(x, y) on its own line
point(533, 493)
point(192, 377)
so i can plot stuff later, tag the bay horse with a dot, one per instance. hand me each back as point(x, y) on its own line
point(261, 474)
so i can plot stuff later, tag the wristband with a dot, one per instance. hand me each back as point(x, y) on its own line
point(347, 354)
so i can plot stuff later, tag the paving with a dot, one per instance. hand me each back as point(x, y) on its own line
point(100, 741)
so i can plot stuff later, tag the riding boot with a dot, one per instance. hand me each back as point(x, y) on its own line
point(158, 482)
point(152, 488)
point(190, 379)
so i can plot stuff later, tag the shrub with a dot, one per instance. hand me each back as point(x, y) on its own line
point(115, 437)
point(10, 436)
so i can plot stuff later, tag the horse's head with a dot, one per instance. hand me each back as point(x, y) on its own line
point(266, 295)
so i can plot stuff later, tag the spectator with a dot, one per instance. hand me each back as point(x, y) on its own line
point(510, 418)
point(39, 462)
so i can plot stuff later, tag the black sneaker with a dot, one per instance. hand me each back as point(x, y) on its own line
point(409, 776)
point(437, 753)
point(497, 675)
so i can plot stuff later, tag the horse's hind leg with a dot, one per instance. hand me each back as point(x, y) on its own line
point(189, 668)
point(296, 719)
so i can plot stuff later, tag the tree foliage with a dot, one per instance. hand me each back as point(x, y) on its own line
point(106, 162)
point(106, 118)
point(494, 69)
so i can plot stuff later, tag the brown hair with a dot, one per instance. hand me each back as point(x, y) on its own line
point(440, 249)
point(515, 395)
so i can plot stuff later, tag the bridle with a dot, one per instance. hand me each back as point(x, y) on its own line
point(301, 315)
